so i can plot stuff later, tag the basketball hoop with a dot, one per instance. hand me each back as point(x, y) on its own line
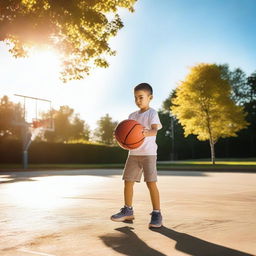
point(33, 127)
point(39, 126)
point(36, 124)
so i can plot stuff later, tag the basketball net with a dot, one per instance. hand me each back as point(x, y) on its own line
point(38, 127)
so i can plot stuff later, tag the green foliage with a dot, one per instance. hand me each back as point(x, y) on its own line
point(79, 29)
point(163, 138)
point(9, 112)
point(238, 81)
point(104, 132)
point(52, 153)
point(251, 81)
point(68, 126)
point(204, 107)
point(250, 107)
point(168, 102)
point(83, 141)
point(79, 129)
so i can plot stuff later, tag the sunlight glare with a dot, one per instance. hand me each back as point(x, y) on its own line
point(50, 192)
point(45, 60)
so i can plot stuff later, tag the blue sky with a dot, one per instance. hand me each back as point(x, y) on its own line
point(158, 44)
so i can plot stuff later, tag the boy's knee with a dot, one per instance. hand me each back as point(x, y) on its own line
point(151, 184)
point(128, 183)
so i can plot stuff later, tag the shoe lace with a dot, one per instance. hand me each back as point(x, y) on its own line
point(123, 210)
point(155, 216)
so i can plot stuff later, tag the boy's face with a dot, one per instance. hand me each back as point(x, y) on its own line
point(142, 99)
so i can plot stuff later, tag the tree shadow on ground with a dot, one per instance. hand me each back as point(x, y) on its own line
point(196, 246)
point(128, 243)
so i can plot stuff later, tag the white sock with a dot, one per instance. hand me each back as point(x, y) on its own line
point(156, 210)
point(129, 207)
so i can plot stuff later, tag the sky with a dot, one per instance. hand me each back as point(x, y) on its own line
point(160, 41)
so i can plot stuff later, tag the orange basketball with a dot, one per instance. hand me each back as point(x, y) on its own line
point(129, 134)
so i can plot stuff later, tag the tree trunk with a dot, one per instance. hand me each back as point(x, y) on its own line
point(212, 152)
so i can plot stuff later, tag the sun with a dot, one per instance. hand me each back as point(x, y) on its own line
point(40, 70)
point(46, 60)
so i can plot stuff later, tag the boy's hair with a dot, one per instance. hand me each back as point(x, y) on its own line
point(144, 87)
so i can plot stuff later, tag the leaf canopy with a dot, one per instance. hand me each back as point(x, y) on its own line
point(79, 29)
point(204, 107)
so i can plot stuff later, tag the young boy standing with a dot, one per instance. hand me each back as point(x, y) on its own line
point(142, 159)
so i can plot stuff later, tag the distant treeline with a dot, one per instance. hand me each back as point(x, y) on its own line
point(171, 138)
point(74, 142)
point(244, 145)
point(190, 148)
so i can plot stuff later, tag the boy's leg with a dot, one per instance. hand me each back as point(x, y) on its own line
point(132, 172)
point(154, 195)
point(126, 213)
point(128, 192)
point(150, 177)
point(156, 216)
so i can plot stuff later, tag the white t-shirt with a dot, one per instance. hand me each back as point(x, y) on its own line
point(147, 118)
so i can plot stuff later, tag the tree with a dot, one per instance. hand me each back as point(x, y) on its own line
point(204, 107)
point(79, 129)
point(250, 107)
point(104, 132)
point(176, 146)
point(251, 82)
point(164, 137)
point(240, 90)
point(9, 112)
point(79, 29)
point(68, 126)
point(168, 102)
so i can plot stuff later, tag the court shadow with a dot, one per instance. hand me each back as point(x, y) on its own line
point(128, 243)
point(197, 247)
point(182, 173)
point(18, 176)
point(31, 175)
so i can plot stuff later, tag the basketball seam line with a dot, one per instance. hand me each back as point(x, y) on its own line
point(135, 142)
point(120, 142)
point(129, 133)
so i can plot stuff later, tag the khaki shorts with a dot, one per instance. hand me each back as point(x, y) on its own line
point(135, 165)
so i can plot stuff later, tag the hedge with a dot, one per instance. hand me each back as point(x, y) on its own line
point(44, 152)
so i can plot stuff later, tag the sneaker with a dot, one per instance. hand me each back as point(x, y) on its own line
point(125, 213)
point(156, 220)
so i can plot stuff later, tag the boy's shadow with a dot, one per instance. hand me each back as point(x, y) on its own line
point(128, 243)
point(196, 246)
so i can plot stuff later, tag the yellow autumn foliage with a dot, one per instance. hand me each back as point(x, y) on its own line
point(79, 29)
point(204, 107)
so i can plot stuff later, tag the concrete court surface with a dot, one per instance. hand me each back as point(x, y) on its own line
point(66, 213)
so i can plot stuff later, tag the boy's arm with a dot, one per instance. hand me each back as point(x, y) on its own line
point(150, 132)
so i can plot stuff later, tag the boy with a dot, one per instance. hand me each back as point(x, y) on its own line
point(142, 159)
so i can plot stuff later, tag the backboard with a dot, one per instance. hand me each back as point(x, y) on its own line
point(34, 112)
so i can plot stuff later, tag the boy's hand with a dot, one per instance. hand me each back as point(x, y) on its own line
point(150, 132)
point(146, 132)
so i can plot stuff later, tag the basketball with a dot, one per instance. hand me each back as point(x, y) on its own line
point(129, 134)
